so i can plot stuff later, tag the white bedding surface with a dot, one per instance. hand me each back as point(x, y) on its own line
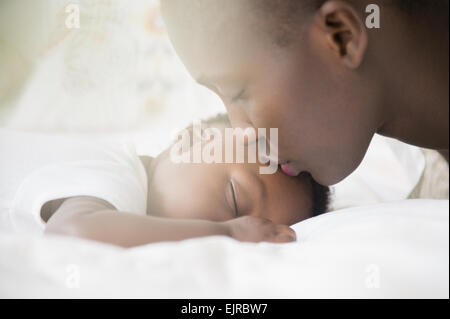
point(394, 250)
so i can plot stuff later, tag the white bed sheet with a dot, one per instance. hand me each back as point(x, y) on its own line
point(393, 250)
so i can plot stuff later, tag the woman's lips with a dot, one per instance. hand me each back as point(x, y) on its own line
point(287, 167)
point(289, 170)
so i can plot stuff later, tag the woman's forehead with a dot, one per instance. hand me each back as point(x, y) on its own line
point(212, 34)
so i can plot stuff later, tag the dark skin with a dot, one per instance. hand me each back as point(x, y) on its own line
point(95, 219)
point(222, 191)
point(332, 88)
point(192, 200)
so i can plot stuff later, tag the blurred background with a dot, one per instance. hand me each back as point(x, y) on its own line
point(115, 76)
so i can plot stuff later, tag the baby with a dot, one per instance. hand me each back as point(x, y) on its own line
point(187, 200)
point(220, 192)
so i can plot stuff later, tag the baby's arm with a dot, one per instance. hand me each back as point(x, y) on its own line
point(95, 219)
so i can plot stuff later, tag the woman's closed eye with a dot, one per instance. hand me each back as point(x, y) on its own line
point(238, 96)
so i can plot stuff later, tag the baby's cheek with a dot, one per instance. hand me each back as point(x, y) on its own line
point(289, 199)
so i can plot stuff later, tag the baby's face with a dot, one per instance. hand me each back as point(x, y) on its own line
point(221, 192)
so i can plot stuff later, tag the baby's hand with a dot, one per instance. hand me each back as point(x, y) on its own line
point(255, 229)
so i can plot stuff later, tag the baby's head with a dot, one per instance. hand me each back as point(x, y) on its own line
point(223, 191)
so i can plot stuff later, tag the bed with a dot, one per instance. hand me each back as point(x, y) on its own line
point(392, 250)
point(375, 243)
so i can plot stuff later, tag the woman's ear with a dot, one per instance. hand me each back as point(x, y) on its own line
point(344, 31)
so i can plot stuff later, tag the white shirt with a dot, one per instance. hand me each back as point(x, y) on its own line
point(36, 168)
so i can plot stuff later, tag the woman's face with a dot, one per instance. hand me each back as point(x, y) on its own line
point(322, 109)
point(221, 192)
